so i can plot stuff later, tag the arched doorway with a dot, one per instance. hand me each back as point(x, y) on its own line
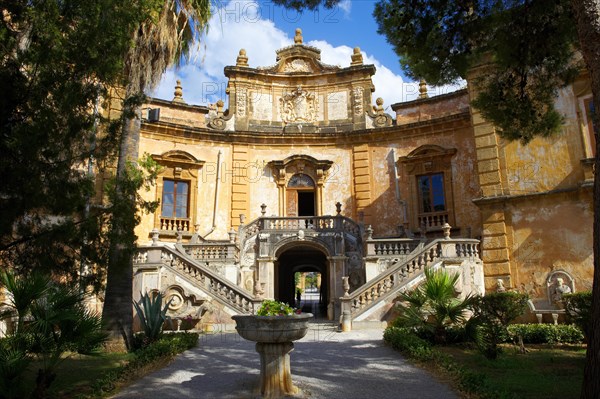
point(300, 194)
point(302, 258)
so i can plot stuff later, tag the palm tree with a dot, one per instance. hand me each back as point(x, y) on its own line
point(166, 38)
point(52, 321)
point(433, 306)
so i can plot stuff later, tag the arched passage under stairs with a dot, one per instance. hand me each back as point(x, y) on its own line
point(300, 258)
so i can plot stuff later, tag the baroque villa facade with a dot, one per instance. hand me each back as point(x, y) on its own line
point(304, 171)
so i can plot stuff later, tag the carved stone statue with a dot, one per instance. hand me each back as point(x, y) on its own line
point(500, 286)
point(560, 289)
point(559, 283)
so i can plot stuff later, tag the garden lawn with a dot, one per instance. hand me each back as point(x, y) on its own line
point(546, 371)
point(75, 374)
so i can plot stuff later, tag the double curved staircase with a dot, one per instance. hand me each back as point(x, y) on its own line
point(403, 261)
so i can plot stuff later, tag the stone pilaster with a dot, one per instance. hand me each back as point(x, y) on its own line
point(361, 168)
point(239, 184)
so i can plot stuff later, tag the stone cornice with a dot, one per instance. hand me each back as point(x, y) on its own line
point(229, 71)
point(166, 130)
point(180, 105)
point(441, 97)
point(509, 198)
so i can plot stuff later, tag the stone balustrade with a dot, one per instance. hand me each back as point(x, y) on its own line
point(404, 271)
point(172, 224)
point(433, 220)
point(391, 247)
point(212, 251)
point(217, 286)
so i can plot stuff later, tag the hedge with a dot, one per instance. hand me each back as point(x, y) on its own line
point(546, 333)
point(165, 348)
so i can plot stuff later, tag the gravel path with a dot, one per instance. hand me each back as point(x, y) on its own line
point(325, 364)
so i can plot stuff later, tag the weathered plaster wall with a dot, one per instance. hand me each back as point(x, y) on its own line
point(207, 183)
point(548, 234)
point(387, 212)
point(546, 163)
point(263, 188)
point(535, 202)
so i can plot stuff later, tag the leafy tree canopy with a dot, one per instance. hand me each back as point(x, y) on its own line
point(527, 46)
point(57, 60)
point(306, 4)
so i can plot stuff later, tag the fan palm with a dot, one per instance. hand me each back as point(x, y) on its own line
point(433, 306)
point(167, 38)
point(52, 320)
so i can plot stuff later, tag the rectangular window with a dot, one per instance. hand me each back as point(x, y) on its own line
point(175, 199)
point(431, 193)
point(589, 114)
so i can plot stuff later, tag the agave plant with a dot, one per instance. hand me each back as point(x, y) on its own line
point(152, 314)
point(433, 306)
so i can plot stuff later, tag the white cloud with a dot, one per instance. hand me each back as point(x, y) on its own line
point(346, 6)
point(243, 24)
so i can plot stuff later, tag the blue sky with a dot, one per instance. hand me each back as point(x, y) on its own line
point(261, 28)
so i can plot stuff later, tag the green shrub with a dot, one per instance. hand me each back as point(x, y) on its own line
point(166, 347)
point(546, 333)
point(579, 310)
point(491, 315)
point(274, 308)
point(405, 341)
point(454, 334)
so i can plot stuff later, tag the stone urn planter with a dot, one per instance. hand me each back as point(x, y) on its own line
point(274, 336)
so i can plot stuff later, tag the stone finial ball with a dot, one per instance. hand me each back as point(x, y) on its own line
point(220, 103)
point(379, 101)
point(242, 51)
point(356, 50)
point(298, 31)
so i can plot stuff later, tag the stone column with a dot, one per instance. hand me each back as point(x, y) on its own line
point(336, 290)
point(266, 276)
point(275, 373)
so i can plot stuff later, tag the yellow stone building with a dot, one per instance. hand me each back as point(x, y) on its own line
point(302, 170)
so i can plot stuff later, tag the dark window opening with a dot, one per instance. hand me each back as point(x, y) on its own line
point(431, 193)
point(306, 203)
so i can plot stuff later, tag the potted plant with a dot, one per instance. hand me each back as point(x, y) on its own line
point(274, 328)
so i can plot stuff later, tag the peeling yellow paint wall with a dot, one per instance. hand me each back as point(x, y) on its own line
point(536, 202)
point(552, 233)
point(207, 185)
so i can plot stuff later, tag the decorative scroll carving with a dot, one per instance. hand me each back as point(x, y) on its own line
point(241, 98)
point(296, 65)
point(357, 93)
point(218, 122)
point(298, 106)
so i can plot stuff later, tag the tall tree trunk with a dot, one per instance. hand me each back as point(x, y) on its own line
point(117, 313)
point(587, 16)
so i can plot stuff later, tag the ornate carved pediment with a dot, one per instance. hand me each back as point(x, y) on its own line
point(178, 160)
point(300, 164)
point(427, 158)
point(298, 106)
point(178, 164)
point(299, 58)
